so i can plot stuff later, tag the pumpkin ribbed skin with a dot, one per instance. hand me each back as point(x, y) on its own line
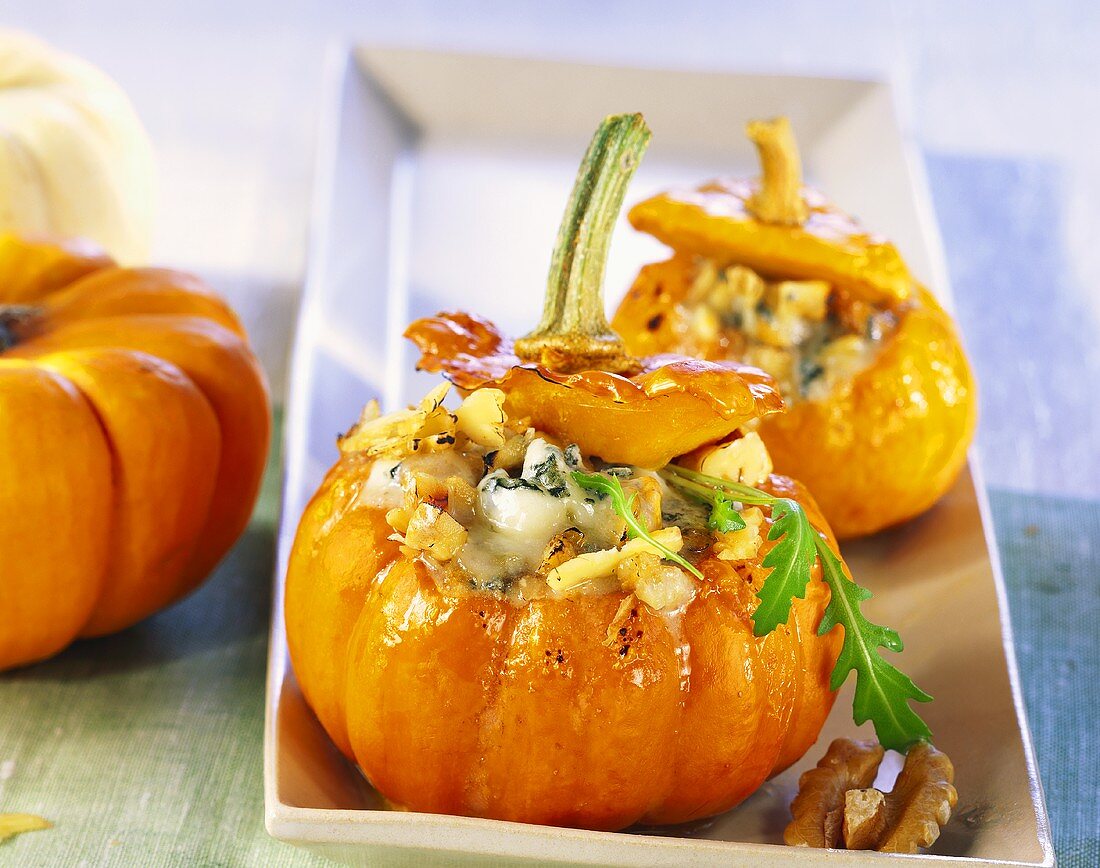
point(472, 705)
point(885, 446)
point(136, 421)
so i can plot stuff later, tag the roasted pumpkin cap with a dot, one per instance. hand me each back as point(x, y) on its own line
point(572, 375)
point(776, 226)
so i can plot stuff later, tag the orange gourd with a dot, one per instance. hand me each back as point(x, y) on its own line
point(887, 440)
point(589, 708)
point(134, 422)
point(465, 703)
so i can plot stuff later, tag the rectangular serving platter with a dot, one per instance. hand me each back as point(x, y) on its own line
point(441, 179)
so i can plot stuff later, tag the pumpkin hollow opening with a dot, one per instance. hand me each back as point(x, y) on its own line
point(811, 336)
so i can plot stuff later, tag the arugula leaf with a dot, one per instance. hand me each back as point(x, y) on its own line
point(724, 516)
point(790, 560)
point(882, 691)
point(611, 487)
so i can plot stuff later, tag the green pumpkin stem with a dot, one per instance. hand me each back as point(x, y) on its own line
point(574, 334)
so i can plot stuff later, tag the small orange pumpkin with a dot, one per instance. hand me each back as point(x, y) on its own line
point(888, 438)
point(134, 422)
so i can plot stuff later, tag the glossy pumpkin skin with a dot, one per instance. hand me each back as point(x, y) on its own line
point(679, 403)
point(881, 449)
point(135, 420)
point(471, 705)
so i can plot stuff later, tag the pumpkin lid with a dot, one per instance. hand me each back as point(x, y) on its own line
point(572, 375)
point(776, 225)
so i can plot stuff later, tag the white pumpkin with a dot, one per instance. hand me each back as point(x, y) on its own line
point(75, 160)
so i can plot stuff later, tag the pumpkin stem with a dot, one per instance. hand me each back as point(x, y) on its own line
point(779, 199)
point(12, 317)
point(574, 334)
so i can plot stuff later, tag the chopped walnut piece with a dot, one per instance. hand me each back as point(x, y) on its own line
point(847, 765)
point(428, 488)
point(594, 565)
point(481, 417)
point(836, 806)
point(511, 454)
point(434, 532)
point(399, 517)
point(740, 545)
point(461, 500)
point(864, 818)
point(427, 426)
point(562, 547)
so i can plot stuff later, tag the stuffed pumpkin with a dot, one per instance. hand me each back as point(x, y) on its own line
point(134, 426)
point(882, 404)
point(579, 597)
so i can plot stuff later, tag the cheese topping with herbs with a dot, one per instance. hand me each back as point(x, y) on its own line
point(810, 336)
point(490, 505)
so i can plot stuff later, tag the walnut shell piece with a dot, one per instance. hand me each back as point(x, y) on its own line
point(837, 808)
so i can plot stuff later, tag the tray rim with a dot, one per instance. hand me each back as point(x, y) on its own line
point(337, 827)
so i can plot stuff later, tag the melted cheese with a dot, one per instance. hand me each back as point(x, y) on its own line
point(515, 519)
point(785, 327)
point(388, 478)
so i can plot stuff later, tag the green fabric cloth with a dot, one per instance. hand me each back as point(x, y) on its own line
point(1050, 553)
point(146, 748)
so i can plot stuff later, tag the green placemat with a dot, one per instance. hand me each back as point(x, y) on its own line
point(145, 748)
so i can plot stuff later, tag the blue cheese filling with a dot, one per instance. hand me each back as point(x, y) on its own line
point(812, 338)
point(513, 520)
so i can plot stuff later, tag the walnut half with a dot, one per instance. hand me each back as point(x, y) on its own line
point(836, 806)
point(818, 808)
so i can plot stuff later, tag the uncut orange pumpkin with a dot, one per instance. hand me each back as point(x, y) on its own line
point(469, 669)
point(134, 423)
point(881, 401)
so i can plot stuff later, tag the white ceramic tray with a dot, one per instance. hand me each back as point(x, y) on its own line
point(441, 181)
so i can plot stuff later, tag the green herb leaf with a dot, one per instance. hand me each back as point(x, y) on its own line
point(611, 487)
point(790, 560)
point(724, 516)
point(882, 691)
